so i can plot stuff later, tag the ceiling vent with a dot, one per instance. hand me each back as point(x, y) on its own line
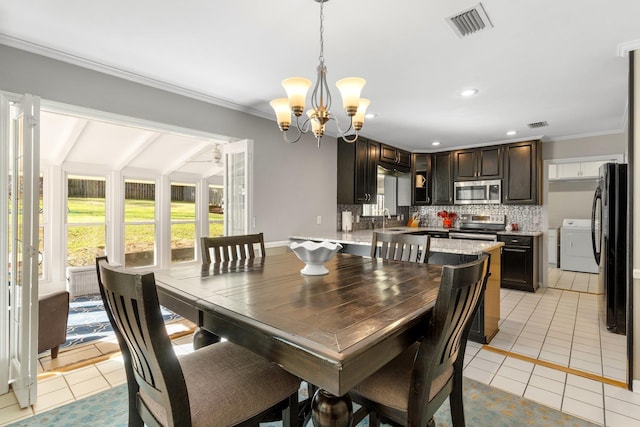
point(535, 125)
point(470, 21)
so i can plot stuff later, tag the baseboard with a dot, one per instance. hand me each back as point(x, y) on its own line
point(635, 385)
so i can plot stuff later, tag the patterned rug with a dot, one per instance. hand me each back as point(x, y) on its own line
point(484, 407)
point(88, 321)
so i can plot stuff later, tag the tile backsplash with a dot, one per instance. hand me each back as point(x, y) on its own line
point(528, 217)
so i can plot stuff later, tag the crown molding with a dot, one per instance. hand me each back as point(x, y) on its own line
point(68, 58)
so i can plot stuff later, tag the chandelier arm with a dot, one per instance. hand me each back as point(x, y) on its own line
point(340, 131)
point(306, 126)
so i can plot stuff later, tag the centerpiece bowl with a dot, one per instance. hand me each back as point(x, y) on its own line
point(314, 255)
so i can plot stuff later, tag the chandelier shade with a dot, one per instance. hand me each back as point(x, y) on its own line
point(296, 88)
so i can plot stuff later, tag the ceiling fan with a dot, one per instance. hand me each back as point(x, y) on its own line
point(210, 156)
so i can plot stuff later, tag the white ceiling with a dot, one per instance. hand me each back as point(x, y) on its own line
point(544, 60)
point(95, 145)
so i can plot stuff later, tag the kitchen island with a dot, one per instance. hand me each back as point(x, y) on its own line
point(442, 251)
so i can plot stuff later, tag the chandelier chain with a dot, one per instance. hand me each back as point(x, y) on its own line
point(321, 57)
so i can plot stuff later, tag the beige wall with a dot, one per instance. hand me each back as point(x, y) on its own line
point(293, 183)
point(615, 143)
point(569, 199)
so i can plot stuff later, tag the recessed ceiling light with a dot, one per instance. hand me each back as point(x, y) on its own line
point(511, 132)
point(435, 143)
point(468, 92)
point(370, 116)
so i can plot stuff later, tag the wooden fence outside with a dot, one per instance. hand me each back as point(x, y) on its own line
point(91, 188)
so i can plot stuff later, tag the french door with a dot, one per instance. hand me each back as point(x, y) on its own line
point(238, 188)
point(19, 216)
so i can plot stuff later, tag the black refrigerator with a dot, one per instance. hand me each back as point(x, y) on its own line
point(609, 238)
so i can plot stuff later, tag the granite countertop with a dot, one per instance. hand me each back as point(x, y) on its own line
point(363, 237)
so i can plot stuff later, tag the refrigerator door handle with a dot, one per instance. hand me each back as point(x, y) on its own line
point(597, 198)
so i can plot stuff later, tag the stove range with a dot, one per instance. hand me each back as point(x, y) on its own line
point(479, 227)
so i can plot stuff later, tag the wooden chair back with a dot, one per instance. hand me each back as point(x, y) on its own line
point(441, 352)
point(400, 247)
point(131, 303)
point(230, 248)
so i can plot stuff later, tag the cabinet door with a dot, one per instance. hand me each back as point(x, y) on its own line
point(465, 167)
point(388, 154)
point(489, 163)
point(479, 163)
point(522, 180)
point(517, 267)
point(591, 169)
point(404, 159)
point(372, 171)
point(421, 179)
point(568, 170)
point(442, 178)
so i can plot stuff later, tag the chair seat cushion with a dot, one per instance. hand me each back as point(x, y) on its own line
point(389, 385)
point(228, 384)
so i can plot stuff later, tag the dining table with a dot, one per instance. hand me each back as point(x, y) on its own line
point(331, 330)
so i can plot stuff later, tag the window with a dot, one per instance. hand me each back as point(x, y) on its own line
point(216, 210)
point(86, 219)
point(139, 223)
point(183, 222)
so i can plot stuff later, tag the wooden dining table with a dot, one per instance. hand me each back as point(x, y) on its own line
point(332, 330)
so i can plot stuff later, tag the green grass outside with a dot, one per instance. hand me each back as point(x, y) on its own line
point(85, 242)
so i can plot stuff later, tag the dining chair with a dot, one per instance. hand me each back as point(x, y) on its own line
point(218, 385)
point(231, 248)
point(400, 247)
point(411, 388)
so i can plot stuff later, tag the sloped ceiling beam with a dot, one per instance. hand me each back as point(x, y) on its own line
point(186, 156)
point(137, 147)
point(72, 138)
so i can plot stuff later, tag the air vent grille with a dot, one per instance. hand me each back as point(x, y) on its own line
point(535, 125)
point(470, 21)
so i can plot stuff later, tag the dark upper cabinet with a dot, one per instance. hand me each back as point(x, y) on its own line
point(421, 179)
point(394, 158)
point(357, 171)
point(442, 173)
point(477, 164)
point(522, 173)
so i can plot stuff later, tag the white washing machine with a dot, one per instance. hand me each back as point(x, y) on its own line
point(576, 249)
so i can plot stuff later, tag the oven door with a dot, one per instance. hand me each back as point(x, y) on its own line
point(487, 237)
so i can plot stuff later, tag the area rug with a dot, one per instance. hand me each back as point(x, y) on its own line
point(88, 321)
point(484, 407)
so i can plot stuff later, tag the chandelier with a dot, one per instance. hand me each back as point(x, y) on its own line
point(320, 114)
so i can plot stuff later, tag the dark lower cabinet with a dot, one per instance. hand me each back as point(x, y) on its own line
point(519, 262)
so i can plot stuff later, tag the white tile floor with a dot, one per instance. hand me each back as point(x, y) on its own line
point(555, 327)
point(571, 362)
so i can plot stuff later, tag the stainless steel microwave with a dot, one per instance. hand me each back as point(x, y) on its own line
point(477, 192)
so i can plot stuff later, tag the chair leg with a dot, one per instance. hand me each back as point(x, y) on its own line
point(290, 413)
point(54, 352)
point(374, 421)
point(455, 401)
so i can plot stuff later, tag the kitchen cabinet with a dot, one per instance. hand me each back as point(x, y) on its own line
point(478, 164)
point(421, 179)
point(519, 262)
point(574, 171)
point(394, 158)
point(357, 171)
point(522, 182)
point(442, 173)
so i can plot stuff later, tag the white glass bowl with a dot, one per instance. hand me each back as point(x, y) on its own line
point(314, 254)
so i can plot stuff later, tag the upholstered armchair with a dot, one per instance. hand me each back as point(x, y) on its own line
point(52, 321)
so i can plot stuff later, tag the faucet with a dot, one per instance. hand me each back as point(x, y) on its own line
point(388, 216)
